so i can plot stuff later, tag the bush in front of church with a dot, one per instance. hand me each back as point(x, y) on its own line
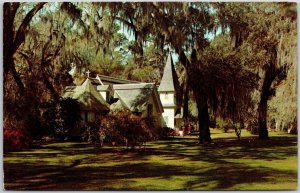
point(59, 117)
point(122, 129)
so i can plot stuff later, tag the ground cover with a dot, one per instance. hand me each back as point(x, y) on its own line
point(176, 164)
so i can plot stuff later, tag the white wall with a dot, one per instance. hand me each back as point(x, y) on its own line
point(169, 112)
point(103, 94)
point(168, 116)
point(166, 98)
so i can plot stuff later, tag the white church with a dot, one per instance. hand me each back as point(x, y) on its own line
point(169, 96)
point(101, 94)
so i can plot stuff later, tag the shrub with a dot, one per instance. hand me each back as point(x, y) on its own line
point(15, 137)
point(253, 127)
point(90, 132)
point(212, 122)
point(124, 128)
point(60, 117)
point(166, 132)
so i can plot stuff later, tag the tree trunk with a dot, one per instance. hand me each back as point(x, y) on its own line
point(201, 99)
point(50, 87)
point(9, 12)
point(203, 119)
point(186, 101)
point(262, 119)
point(263, 106)
point(270, 75)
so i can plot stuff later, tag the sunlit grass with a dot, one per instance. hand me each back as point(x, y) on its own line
point(175, 164)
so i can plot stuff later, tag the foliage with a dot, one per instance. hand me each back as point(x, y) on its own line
point(31, 76)
point(229, 79)
point(268, 32)
point(253, 127)
point(283, 106)
point(146, 68)
point(124, 128)
point(59, 118)
point(15, 136)
point(167, 132)
point(69, 112)
point(90, 132)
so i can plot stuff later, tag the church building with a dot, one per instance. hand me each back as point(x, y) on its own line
point(101, 94)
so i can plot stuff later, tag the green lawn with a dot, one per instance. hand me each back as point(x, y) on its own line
point(175, 164)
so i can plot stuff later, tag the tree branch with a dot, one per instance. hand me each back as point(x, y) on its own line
point(20, 35)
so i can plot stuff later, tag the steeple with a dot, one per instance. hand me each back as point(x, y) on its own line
point(169, 81)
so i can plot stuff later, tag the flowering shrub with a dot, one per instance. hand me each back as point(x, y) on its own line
point(15, 138)
point(122, 128)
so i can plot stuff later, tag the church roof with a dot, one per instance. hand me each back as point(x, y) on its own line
point(134, 86)
point(94, 81)
point(108, 80)
point(135, 97)
point(169, 81)
point(88, 97)
point(113, 80)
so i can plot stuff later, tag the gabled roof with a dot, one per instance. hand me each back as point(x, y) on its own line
point(88, 97)
point(69, 88)
point(69, 91)
point(113, 80)
point(133, 86)
point(109, 80)
point(169, 81)
point(135, 97)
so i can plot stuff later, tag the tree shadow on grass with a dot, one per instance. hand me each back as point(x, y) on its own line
point(228, 176)
point(247, 147)
point(128, 167)
point(33, 177)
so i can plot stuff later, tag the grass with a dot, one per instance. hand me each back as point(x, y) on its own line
point(175, 164)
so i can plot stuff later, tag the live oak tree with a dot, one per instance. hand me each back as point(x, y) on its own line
point(17, 19)
point(278, 39)
point(14, 36)
point(32, 46)
point(229, 80)
point(270, 31)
